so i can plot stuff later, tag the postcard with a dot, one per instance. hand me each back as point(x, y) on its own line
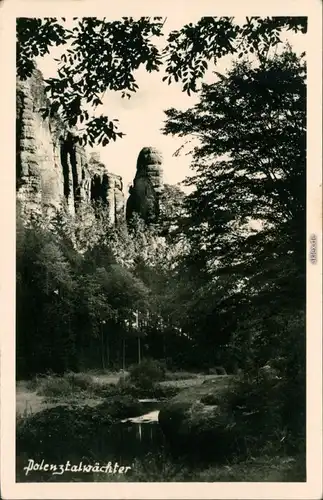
point(161, 270)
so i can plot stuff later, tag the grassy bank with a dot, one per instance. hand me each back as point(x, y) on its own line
point(261, 469)
point(85, 388)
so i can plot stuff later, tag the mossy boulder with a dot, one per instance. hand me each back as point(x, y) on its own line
point(199, 420)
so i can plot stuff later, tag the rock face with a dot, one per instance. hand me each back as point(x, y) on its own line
point(107, 188)
point(51, 168)
point(147, 189)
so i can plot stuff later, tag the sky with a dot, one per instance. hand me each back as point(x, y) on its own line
point(141, 117)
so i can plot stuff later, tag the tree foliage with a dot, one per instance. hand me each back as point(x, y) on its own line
point(75, 309)
point(103, 55)
point(245, 218)
point(45, 304)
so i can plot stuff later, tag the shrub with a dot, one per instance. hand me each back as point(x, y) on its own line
point(257, 407)
point(147, 373)
point(106, 390)
point(32, 384)
point(82, 381)
point(71, 383)
point(125, 406)
point(52, 386)
point(160, 467)
point(155, 391)
point(210, 399)
point(180, 375)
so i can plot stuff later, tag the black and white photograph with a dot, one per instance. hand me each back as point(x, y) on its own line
point(161, 249)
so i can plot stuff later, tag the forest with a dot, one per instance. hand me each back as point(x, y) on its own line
point(220, 280)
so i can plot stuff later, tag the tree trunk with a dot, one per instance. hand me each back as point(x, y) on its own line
point(139, 350)
point(124, 354)
point(108, 350)
point(164, 346)
point(102, 348)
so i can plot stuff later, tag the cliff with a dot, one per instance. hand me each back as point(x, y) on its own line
point(51, 168)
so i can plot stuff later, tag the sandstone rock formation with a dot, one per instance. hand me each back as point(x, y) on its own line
point(145, 194)
point(107, 188)
point(51, 168)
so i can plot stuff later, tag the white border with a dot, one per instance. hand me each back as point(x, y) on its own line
point(312, 489)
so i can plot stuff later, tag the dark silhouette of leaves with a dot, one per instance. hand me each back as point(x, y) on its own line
point(250, 167)
point(103, 55)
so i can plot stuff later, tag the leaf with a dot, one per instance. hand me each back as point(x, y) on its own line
point(45, 113)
